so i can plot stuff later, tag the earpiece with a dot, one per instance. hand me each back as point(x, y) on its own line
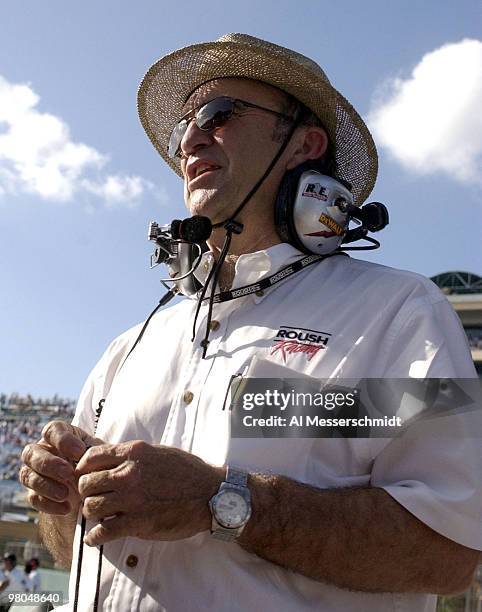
point(313, 211)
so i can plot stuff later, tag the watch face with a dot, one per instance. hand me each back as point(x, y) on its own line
point(230, 509)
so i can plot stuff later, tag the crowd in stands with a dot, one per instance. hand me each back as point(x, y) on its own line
point(474, 334)
point(21, 421)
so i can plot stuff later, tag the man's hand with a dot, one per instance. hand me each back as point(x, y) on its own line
point(48, 470)
point(145, 491)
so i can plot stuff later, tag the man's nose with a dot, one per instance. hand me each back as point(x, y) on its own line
point(194, 138)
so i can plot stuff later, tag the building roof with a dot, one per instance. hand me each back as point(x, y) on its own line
point(459, 283)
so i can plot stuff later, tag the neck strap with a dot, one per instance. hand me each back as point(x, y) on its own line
point(266, 283)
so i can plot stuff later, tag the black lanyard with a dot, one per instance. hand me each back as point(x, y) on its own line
point(266, 283)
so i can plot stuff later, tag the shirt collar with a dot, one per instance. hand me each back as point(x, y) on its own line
point(252, 267)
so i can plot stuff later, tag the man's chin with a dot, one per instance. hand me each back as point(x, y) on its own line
point(206, 203)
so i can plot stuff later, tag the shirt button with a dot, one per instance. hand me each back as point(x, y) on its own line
point(206, 265)
point(214, 325)
point(131, 561)
point(260, 293)
point(188, 396)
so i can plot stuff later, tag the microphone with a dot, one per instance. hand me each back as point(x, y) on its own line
point(195, 229)
point(373, 216)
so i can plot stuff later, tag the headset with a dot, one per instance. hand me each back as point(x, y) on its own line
point(312, 212)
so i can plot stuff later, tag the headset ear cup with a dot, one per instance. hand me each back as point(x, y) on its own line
point(283, 208)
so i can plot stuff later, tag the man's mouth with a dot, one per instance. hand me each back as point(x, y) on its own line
point(198, 168)
point(202, 169)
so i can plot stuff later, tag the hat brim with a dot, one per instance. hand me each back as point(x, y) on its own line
point(169, 82)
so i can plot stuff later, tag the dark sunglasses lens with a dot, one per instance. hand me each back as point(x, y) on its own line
point(175, 139)
point(214, 113)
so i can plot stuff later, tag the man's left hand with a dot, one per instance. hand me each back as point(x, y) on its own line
point(145, 491)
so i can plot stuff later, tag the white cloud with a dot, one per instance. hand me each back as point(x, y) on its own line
point(432, 121)
point(117, 189)
point(38, 156)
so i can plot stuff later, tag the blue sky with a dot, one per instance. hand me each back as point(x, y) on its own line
point(73, 251)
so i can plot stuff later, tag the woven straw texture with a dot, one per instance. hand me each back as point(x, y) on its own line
point(169, 82)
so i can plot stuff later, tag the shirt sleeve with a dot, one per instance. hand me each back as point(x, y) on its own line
point(434, 469)
point(430, 343)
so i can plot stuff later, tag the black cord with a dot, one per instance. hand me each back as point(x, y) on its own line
point(217, 271)
point(99, 572)
point(375, 245)
point(200, 300)
point(79, 563)
point(257, 185)
point(167, 297)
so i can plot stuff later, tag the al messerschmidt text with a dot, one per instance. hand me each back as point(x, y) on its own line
point(307, 420)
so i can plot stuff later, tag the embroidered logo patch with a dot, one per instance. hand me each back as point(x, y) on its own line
point(290, 340)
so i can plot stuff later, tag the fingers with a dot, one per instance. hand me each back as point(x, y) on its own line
point(101, 506)
point(97, 483)
point(43, 504)
point(46, 464)
point(66, 438)
point(107, 456)
point(110, 529)
point(43, 486)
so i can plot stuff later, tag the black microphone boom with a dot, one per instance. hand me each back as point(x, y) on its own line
point(373, 216)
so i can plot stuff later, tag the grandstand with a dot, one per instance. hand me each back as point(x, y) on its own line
point(464, 292)
point(21, 421)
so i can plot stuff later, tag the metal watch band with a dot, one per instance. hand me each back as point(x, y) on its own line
point(224, 534)
point(236, 476)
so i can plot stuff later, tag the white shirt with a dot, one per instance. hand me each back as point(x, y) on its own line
point(34, 578)
point(378, 322)
point(17, 583)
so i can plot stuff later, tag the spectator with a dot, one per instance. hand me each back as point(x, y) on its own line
point(14, 580)
point(34, 575)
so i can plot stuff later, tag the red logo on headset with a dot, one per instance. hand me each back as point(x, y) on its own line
point(315, 190)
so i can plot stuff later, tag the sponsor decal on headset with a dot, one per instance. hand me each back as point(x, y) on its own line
point(332, 224)
point(336, 228)
point(322, 233)
point(291, 340)
point(315, 190)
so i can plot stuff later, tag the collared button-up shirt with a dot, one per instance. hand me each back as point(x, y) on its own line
point(371, 322)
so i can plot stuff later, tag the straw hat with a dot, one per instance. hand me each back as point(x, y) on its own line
point(169, 82)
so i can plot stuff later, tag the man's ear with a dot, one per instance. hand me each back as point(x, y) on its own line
point(311, 143)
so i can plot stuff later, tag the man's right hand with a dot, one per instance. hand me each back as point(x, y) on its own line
point(48, 470)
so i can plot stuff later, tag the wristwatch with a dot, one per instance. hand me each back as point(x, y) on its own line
point(231, 506)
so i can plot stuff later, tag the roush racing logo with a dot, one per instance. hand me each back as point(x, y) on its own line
point(299, 340)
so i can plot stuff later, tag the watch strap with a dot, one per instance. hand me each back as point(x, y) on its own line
point(224, 534)
point(236, 476)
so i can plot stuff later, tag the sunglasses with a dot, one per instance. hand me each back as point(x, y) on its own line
point(209, 116)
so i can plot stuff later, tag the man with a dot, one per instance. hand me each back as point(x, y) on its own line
point(34, 576)
point(329, 524)
point(13, 582)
